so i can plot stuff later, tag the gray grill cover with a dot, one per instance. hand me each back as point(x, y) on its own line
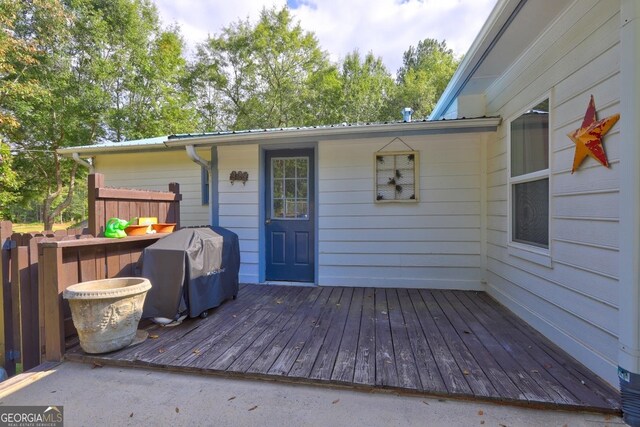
point(191, 270)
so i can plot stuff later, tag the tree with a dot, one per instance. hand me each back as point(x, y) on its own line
point(41, 98)
point(423, 76)
point(270, 74)
point(91, 69)
point(138, 66)
point(9, 183)
point(367, 87)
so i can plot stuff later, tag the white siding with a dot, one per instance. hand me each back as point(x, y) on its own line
point(575, 301)
point(239, 203)
point(154, 171)
point(433, 243)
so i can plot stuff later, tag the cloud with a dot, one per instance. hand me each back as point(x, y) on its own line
point(386, 27)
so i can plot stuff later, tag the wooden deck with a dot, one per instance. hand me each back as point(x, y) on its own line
point(449, 343)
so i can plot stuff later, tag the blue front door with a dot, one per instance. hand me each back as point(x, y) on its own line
point(289, 216)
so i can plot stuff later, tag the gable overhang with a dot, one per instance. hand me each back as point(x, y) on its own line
point(509, 31)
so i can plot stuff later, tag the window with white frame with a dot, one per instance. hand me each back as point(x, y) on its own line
point(529, 176)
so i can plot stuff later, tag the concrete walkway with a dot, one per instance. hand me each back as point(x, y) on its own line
point(110, 396)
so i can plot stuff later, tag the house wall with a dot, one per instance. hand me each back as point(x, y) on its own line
point(574, 300)
point(433, 243)
point(238, 204)
point(154, 171)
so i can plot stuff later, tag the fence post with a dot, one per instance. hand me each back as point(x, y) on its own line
point(174, 187)
point(96, 207)
point(53, 316)
point(6, 316)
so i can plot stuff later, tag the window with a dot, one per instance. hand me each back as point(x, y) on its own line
point(289, 188)
point(204, 185)
point(529, 177)
point(396, 176)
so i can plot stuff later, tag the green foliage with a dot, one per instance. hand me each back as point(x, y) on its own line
point(78, 71)
point(9, 182)
point(425, 72)
point(367, 88)
point(271, 74)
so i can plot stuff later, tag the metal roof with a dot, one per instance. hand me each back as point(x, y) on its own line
point(146, 142)
point(288, 134)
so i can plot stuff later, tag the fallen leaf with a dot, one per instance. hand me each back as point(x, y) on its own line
point(154, 337)
point(96, 365)
point(465, 372)
point(161, 350)
point(425, 402)
point(231, 398)
point(131, 415)
point(338, 305)
point(480, 412)
point(383, 312)
point(177, 410)
point(278, 301)
point(196, 351)
point(234, 316)
point(335, 401)
point(482, 422)
point(253, 408)
point(547, 365)
point(534, 371)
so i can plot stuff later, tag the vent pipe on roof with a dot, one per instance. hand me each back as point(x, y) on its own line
point(406, 114)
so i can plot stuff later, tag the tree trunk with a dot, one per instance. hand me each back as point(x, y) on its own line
point(49, 213)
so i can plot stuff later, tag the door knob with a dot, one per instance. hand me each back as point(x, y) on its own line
point(267, 221)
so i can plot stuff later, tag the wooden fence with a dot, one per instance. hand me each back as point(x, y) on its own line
point(105, 203)
point(36, 267)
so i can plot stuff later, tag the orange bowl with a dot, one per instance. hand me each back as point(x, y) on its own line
point(136, 230)
point(164, 227)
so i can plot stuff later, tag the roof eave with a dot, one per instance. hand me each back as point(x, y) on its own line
point(293, 135)
point(346, 131)
point(87, 151)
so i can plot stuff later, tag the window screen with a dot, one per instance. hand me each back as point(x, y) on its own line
point(531, 212)
point(529, 178)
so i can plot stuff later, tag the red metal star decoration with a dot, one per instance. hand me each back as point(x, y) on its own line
point(588, 138)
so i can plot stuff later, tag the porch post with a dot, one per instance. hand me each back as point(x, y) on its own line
point(629, 290)
point(214, 206)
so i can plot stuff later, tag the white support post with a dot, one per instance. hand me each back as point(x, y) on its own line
point(629, 309)
point(629, 289)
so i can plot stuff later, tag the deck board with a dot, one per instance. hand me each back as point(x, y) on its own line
point(452, 343)
point(365, 367)
point(345, 361)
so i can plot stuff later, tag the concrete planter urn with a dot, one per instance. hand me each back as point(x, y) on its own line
point(106, 312)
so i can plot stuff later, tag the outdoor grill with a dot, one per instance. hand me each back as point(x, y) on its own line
point(191, 271)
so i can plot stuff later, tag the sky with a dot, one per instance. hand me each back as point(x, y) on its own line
point(386, 27)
